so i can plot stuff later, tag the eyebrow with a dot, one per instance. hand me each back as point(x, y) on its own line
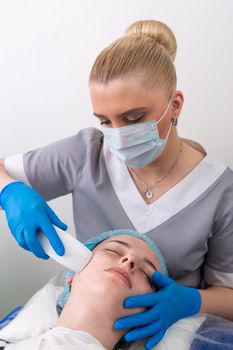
point(124, 114)
point(129, 246)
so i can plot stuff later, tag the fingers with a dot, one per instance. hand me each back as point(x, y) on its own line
point(27, 235)
point(19, 236)
point(53, 237)
point(33, 244)
point(55, 219)
point(144, 300)
point(143, 332)
point(161, 280)
point(139, 319)
point(153, 341)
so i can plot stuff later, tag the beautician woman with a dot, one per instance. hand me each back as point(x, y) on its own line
point(136, 173)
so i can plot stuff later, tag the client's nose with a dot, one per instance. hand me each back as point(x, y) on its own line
point(130, 261)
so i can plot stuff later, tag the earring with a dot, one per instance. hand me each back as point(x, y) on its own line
point(174, 121)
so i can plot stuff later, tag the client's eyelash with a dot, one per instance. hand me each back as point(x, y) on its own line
point(147, 277)
point(114, 251)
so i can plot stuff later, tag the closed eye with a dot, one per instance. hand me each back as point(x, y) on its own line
point(113, 251)
point(147, 277)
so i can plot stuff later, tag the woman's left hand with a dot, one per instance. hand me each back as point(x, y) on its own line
point(167, 305)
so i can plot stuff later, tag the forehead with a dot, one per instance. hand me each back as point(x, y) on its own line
point(120, 95)
point(136, 245)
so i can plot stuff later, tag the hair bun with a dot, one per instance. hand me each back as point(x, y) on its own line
point(158, 31)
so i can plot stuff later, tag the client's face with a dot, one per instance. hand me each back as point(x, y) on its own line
point(121, 266)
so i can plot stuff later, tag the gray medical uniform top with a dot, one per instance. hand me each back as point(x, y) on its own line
point(192, 223)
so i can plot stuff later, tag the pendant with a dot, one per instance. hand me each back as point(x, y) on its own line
point(148, 193)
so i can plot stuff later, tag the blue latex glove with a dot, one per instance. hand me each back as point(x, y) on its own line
point(26, 213)
point(167, 305)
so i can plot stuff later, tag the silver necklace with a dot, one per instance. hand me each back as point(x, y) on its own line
point(148, 193)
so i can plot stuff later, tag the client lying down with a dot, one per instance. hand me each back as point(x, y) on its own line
point(122, 265)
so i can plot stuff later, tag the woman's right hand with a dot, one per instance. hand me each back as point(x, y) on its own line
point(27, 212)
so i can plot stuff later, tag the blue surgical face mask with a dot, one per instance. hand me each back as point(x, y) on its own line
point(137, 145)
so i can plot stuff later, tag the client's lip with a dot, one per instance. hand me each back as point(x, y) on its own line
point(122, 274)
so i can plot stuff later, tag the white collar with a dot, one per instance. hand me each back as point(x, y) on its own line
point(146, 217)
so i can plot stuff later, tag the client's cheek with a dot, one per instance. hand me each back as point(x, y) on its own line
point(143, 287)
point(145, 290)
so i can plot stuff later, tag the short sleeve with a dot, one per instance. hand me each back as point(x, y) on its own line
point(14, 167)
point(218, 269)
point(54, 170)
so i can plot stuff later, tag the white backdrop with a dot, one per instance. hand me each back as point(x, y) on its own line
point(47, 48)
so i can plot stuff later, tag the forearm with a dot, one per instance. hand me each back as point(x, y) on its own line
point(217, 301)
point(5, 179)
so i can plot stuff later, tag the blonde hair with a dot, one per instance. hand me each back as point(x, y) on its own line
point(147, 50)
